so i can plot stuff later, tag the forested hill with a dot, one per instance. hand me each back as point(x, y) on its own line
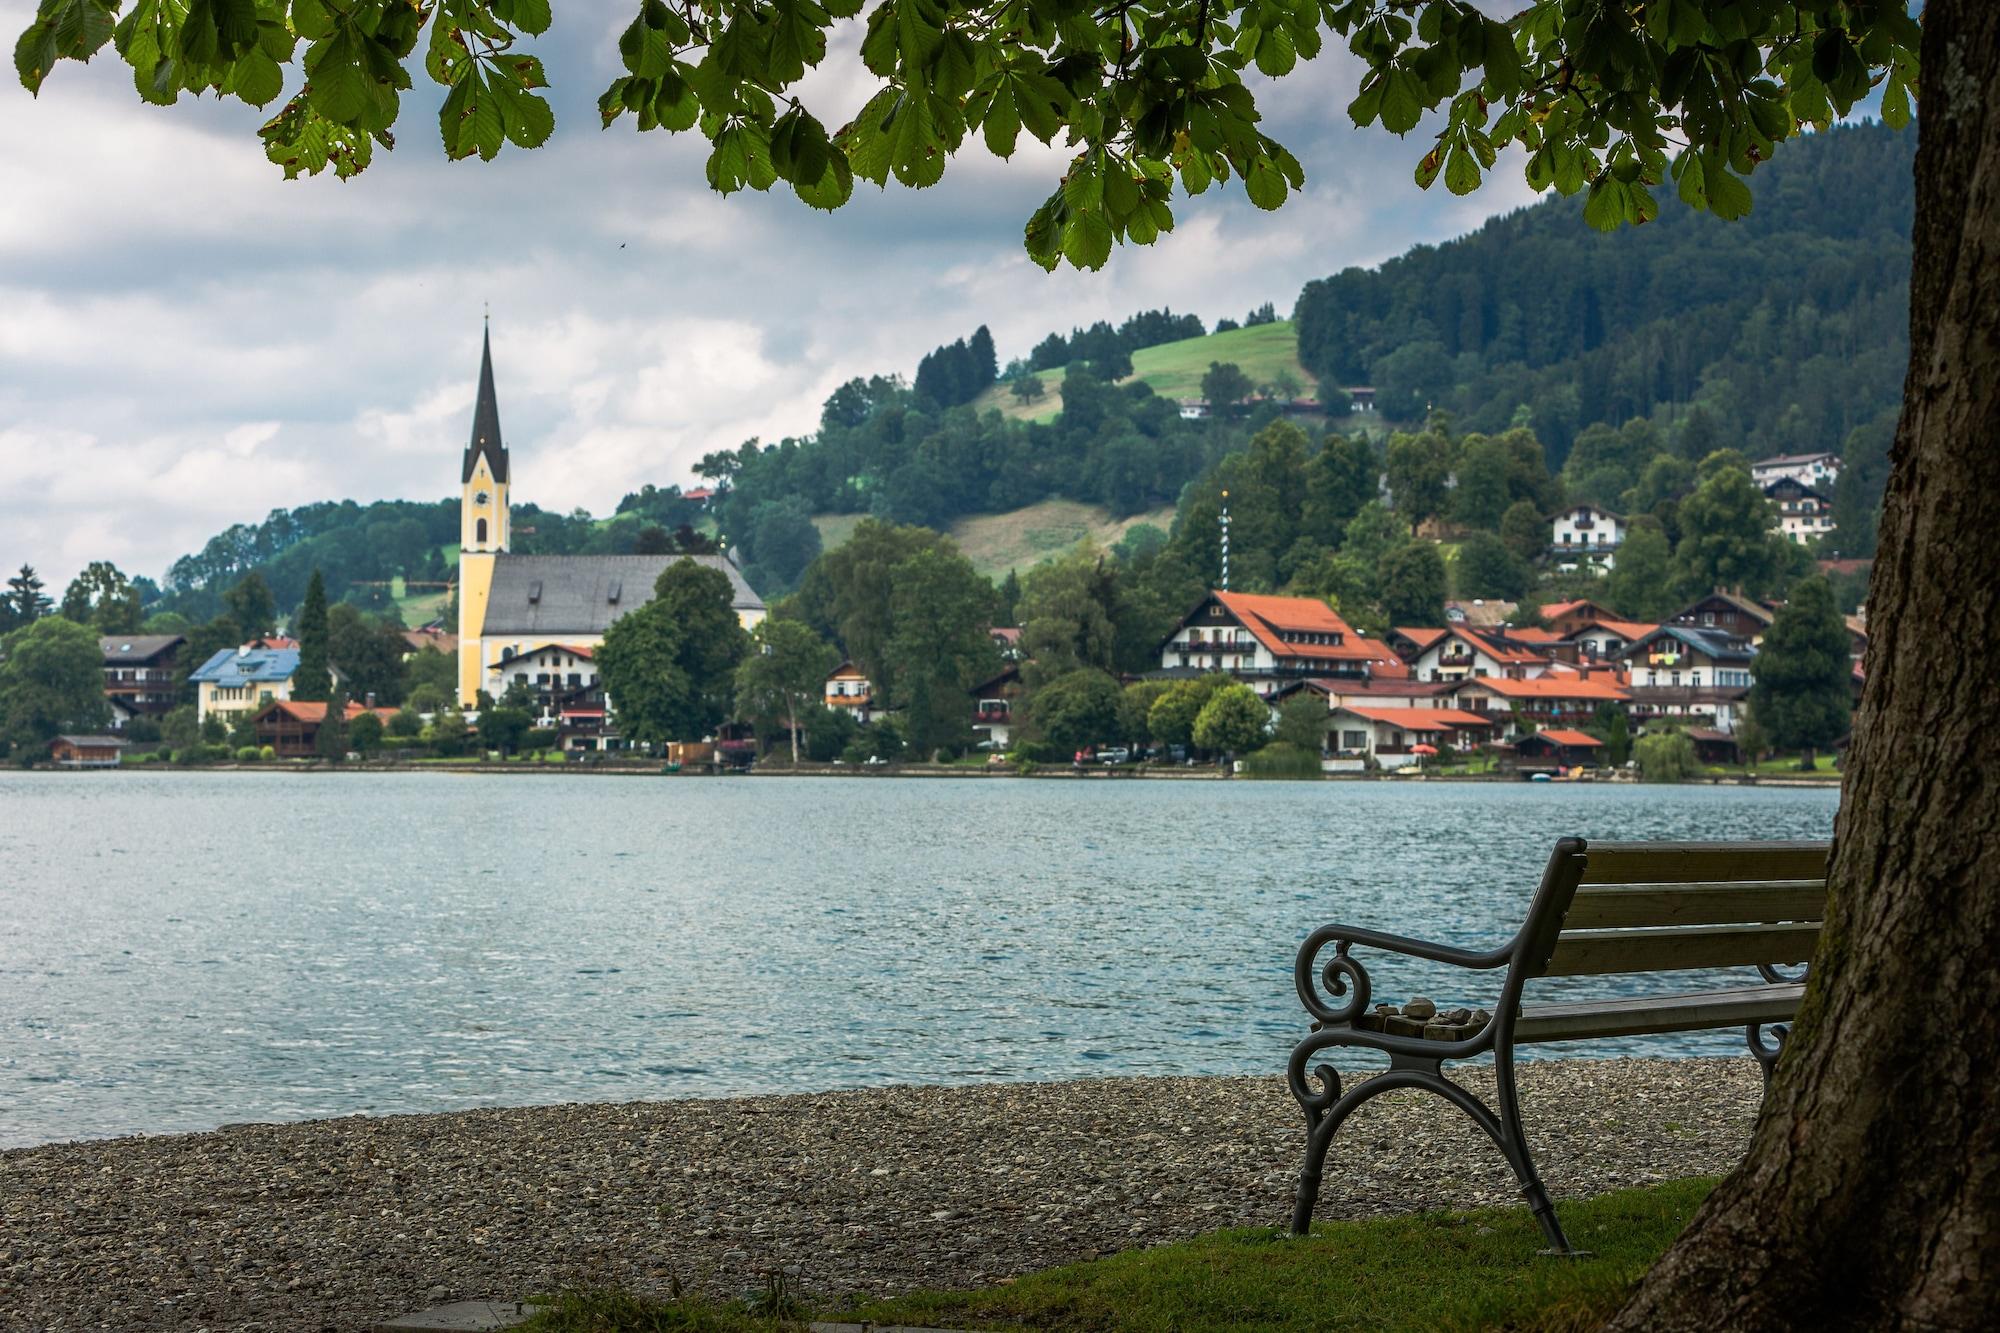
point(1790, 325)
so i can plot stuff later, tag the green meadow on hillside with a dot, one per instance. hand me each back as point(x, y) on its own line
point(1174, 370)
point(1021, 539)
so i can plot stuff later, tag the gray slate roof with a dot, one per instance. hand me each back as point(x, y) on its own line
point(135, 647)
point(553, 595)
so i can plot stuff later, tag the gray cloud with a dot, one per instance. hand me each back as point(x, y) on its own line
point(187, 341)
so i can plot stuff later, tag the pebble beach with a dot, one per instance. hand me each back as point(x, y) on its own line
point(338, 1224)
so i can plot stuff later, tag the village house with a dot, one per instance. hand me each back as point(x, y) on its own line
point(1732, 613)
point(86, 751)
point(291, 727)
point(237, 682)
point(1007, 638)
point(1556, 700)
point(1369, 692)
point(1599, 639)
point(1458, 653)
point(1819, 471)
point(583, 719)
point(548, 673)
point(1558, 747)
point(139, 674)
point(1399, 737)
point(849, 690)
point(993, 704)
point(1799, 512)
point(1585, 536)
point(1266, 642)
point(1679, 671)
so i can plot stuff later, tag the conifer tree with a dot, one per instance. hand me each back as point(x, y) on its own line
point(313, 679)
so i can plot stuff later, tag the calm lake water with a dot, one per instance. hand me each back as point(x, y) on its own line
point(179, 951)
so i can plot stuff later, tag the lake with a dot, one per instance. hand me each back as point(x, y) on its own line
point(184, 950)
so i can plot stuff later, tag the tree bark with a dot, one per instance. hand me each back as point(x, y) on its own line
point(1871, 1194)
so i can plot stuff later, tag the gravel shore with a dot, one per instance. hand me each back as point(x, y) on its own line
point(335, 1224)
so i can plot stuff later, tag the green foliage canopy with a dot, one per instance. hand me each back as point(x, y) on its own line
point(1803, 688)
point(1614, 99)
point(51, 680)
point(1233, 721)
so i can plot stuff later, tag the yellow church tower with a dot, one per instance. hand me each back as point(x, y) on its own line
point(482, 526)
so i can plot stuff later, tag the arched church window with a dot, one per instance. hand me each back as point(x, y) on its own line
point(480, 532)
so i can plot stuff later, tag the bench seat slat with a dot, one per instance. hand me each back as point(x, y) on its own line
point(1698, 862)
point(1676, 948)
point(1711, 904)
point(1637, 1015)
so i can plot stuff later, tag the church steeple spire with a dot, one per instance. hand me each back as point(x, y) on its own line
point(486, 421)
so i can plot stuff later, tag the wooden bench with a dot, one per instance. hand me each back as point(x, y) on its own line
point(1602, 910)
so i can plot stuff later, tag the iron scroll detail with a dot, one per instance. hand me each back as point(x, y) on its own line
point(1340, 976)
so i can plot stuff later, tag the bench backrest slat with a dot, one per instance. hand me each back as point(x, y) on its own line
point(1674, 948)
point(1738, 902)
point(1697, 862)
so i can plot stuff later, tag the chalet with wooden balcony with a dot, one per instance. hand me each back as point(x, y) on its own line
point(1730, 612)
point(849, 690)
point(1267, 642)
point(1798, 511)
point(1459, 653)
point(1586, 537)
point(993, 705)
point(139, 673)
point(549, 674)
point(291, 727)
point(1699, 674)
point(1556, 748)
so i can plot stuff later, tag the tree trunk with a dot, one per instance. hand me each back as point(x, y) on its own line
point(792, 726)
point(1871, 1194)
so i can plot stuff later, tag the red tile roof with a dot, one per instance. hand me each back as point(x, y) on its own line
point(1270, 618)
point(1420, 719)
point(1562, 737)
point(1532, 634)
point(315, 710)
point(1399, 688)
point(1422, 636)
point(1579, 687)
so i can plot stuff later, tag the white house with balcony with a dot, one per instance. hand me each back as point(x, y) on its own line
point(1457, 653)
point(1818, 471)
point(1584, 536)
point(1799, 511)
point(849, 690)
point(1267, 642)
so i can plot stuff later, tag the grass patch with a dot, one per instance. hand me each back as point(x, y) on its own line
point(1175, 369)
point(1433, 1271)
point(996, 543)
point(1019, 539)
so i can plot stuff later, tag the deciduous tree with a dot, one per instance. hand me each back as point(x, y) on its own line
point(51, 680)
point(1233, 721)
point(669, 667)
point(784, 674)
point(1726, 539)
point(1077, 710)
point(1225, 386)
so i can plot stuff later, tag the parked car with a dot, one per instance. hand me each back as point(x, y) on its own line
point(1114, 754)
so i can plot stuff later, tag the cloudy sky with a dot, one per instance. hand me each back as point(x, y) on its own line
point(189, 341)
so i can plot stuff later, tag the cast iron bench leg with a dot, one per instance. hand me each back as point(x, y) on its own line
point(1327, 1108)
point(1767, 1052)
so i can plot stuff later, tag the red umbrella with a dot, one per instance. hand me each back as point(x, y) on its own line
point(1423, 749)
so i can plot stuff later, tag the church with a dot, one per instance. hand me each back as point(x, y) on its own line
point(514, 606)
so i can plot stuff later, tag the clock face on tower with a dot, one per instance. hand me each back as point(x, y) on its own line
point(480, 497)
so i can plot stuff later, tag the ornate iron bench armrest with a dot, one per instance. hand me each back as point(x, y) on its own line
point(1342, 973)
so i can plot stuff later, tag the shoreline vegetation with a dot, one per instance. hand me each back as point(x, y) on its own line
point(857, 1196)
point(1065, 772)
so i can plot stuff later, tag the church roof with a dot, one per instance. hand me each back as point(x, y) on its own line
point(555, 595)
point(486, 421)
